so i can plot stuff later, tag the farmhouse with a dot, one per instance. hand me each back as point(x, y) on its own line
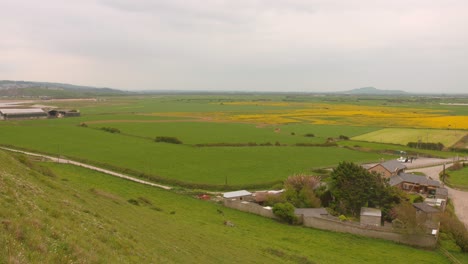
point(394, 172)
point(388, 169)
point(22, 113)
point(415, 183)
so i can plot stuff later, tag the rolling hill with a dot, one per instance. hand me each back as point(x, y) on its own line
point(53, 90)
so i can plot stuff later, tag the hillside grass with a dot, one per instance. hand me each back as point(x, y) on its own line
point(81, 216)
point(404, 135)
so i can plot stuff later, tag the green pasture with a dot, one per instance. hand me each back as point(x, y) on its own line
point(210, 132)
point(210, 165)
point(78, 216)
point(402, 136)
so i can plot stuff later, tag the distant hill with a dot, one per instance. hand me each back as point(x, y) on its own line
point(374, 91)
point(52, 90)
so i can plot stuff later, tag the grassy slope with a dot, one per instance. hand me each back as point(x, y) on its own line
point(83, 216)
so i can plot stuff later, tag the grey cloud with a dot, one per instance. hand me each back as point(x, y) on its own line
point(245, 44)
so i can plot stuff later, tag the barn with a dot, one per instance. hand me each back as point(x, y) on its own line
point(22, 113)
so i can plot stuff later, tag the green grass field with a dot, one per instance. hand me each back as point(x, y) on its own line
point(209, 165)
point(189, 118)
point(402, 136)
point(459, 178)
point(76, 215)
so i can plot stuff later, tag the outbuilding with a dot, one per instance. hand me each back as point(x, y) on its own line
point(242, 195)
point(371, 216)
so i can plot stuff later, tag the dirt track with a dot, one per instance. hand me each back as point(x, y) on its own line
point(67, 161)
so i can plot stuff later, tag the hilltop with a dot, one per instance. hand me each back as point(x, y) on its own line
point(54, 213)
point(374, 91)
point(52, 90)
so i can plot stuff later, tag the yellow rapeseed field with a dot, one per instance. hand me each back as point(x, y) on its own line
point(331, 114)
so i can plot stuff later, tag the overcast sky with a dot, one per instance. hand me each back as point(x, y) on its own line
point(270, 45)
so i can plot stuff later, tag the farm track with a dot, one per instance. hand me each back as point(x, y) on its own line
point(80, 164)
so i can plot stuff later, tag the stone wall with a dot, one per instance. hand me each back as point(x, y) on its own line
point(249, 207)
point(388, 233)
point(334, 224)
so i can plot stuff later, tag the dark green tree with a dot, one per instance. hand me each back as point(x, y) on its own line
point(353, 187)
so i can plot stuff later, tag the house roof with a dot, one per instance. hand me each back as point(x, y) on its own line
point(425, 208)
point(442, 191)
point(310, 211)
point(393, 165)
point(412, 178)
point(236, 194)
point(11, 111)
point(366, 211)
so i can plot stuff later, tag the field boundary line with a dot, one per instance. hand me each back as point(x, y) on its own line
point(91, 167)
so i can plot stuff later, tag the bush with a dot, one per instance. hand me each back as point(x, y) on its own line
point(309, 135)
point(285, 211)
point(172, 140)
point(418, 199)
point(110, 129)
point(342, 137)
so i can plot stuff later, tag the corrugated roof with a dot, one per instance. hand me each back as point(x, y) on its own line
point(21, 110)
point(236, 194)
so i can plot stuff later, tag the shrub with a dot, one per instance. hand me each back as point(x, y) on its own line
point(172, 140)
point(309, 135)
point(418, 199)
point(110, 129)
point(342, 137)
point(285, 211)
point(133, 201)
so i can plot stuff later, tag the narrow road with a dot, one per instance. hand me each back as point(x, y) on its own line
point(459, 198)
point(67, 161)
